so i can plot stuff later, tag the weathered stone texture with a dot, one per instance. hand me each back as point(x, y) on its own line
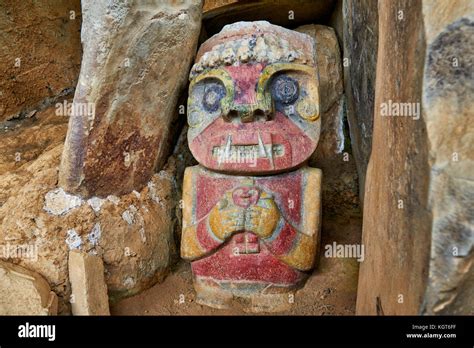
point(41, 53)
point(448, 105)
point(132, 233)
point(89, 291)
point(360, 36)
point(23, 142)
point(340, 184)
point(397, 223)
point(328, 57)
point(23, 292)
point(136, 60)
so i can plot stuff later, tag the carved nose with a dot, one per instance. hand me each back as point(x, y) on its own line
point(248, 113)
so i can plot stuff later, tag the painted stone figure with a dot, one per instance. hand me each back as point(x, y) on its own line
point(251, 210)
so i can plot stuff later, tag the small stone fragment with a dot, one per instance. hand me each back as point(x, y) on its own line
point(58, 202)
point(89, 290)
point(73, 240)
point(24, 292)
point(95, 203)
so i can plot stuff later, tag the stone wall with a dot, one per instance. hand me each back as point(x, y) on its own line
point(340, 184)
point(132, 231)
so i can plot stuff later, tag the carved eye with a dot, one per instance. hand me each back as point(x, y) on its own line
point(213, 93)
point(284, 89)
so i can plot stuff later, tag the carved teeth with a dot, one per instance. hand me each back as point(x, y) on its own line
point(271, 153)
point(261, 148)
point(230, 153)
point(247, 153)
point(228, 145)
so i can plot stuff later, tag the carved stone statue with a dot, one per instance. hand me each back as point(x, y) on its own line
point(251, 213)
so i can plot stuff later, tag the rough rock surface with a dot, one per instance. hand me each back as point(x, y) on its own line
point(23, 141)
point(340, 180)
point(333, 154)
point(133, 234)
point(448, 106)
point(360, 37)
point(41, 53)
point(23, 292)
point(328, 57)
point(136, 60)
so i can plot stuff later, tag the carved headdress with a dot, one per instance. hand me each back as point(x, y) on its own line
point(259, 42)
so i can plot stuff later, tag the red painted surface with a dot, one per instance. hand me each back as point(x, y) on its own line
point(261, 267)
point(246, 257)
point(245, 79)
point(259, 146)
point(246, 196)
point(286, 188)
point(297, 146)
point(280, 130)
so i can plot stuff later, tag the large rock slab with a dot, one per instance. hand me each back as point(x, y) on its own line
point(397, 223)
point(360, 37)
point(333, 154)
point(135, 62)
point(41, 53)
point(328, 57)
point(418, 221)
point(24, 292)
point(448, 88)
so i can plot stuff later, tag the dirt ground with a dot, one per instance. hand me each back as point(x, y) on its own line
point(330, 290)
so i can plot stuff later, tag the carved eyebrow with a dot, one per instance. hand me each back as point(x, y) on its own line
point(224, 77)
point(217, 74)
point(272, 69)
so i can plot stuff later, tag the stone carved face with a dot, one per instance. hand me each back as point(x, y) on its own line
point(253, 102)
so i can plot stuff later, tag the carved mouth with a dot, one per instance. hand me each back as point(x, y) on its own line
point(247, 152)
point(240, 148)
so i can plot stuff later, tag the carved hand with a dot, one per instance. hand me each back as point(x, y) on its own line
point(262, 218)
point(226, 218)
